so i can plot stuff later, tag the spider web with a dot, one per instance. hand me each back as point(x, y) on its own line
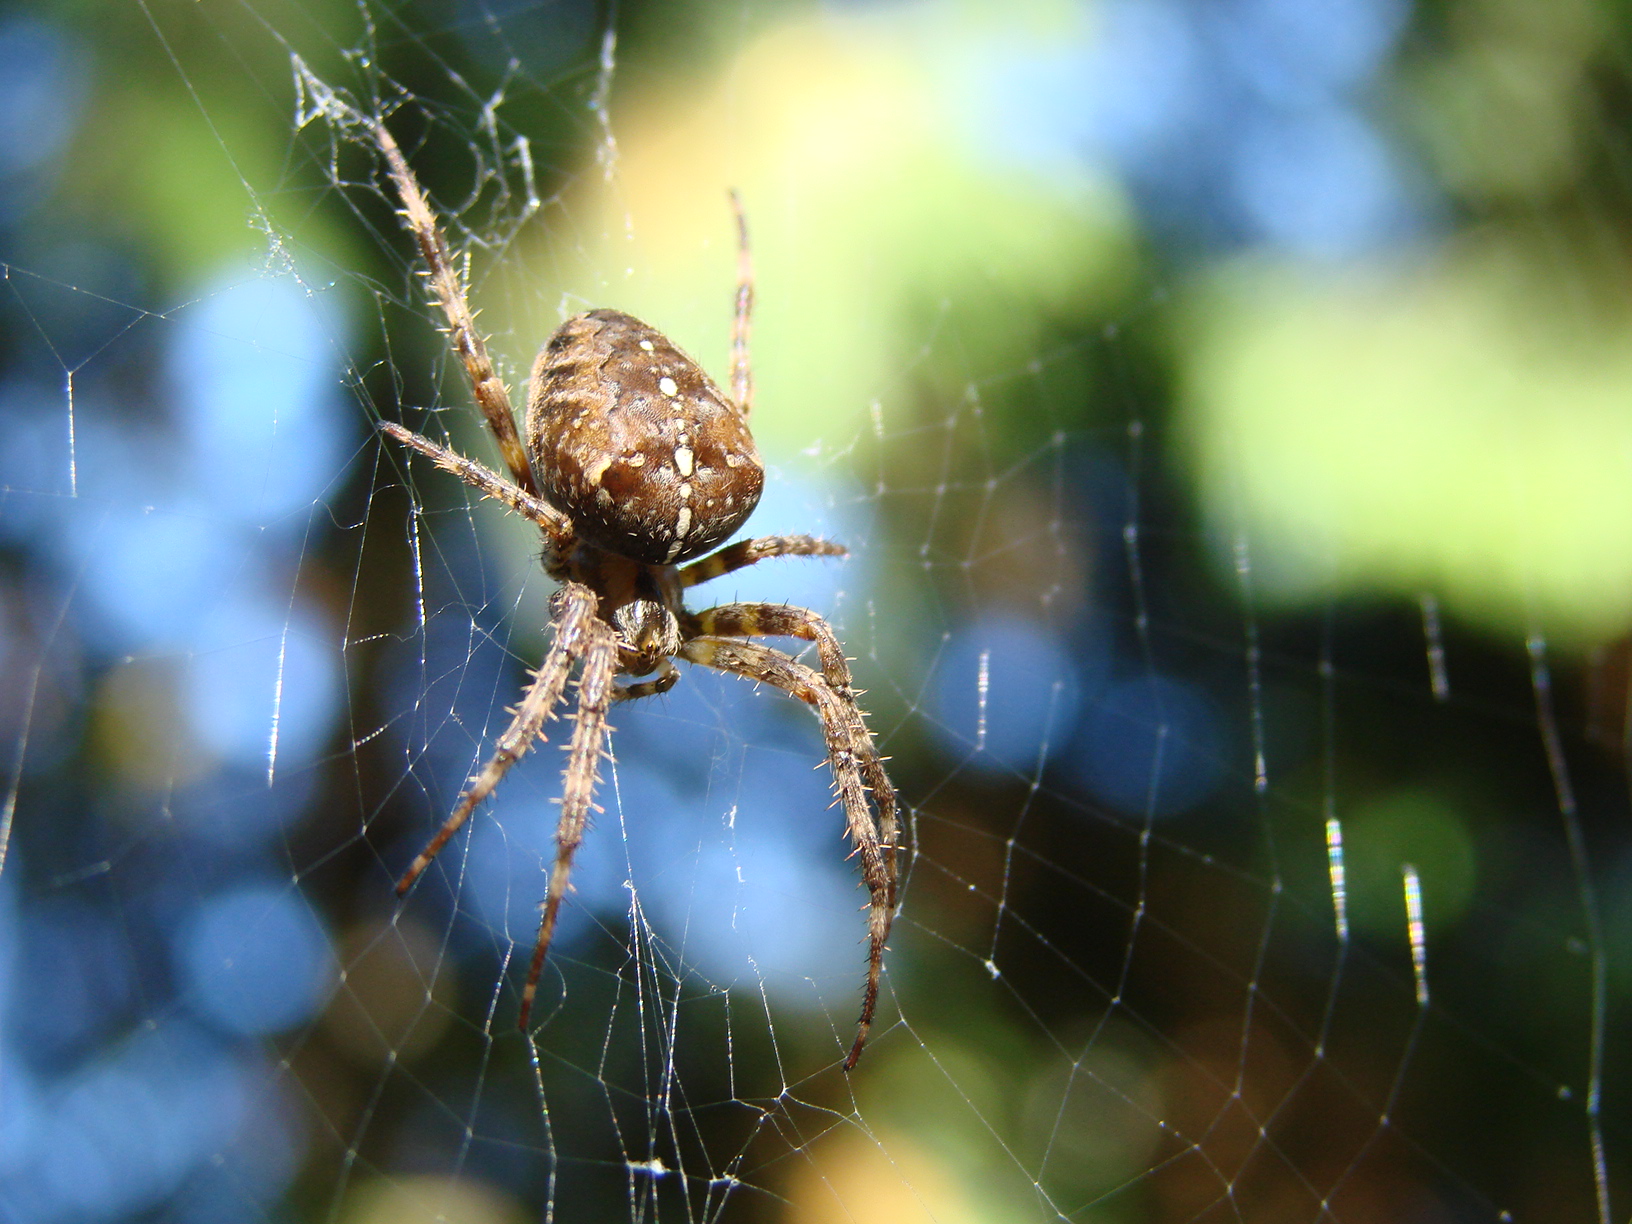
point(1224, 407)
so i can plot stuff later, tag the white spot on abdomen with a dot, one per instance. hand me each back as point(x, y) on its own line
point(682, 524)
point(682, 460)
point(647, 345)
point(668, 386)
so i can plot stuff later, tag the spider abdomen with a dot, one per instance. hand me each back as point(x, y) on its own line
point(631, 439)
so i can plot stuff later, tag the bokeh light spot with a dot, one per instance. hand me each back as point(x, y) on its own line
point(1006, 693)
point(1417, 827)
point(255, 960)
point(1151, 744)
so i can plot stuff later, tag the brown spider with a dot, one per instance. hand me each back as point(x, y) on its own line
point(635, 466)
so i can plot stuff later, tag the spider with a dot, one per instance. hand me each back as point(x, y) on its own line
point(635, 466)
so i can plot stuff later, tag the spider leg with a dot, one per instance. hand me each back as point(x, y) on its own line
point(487, 482)
point(742, 371)
point(781, 620)
point(595, 691)
point(574, 623)
point(844, 749)
point(750, 552)
point(449, 291)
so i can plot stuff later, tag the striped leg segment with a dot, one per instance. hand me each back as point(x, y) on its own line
point(845, 750)
point(449, 292)
point(595, 690)
point(742, 371)
point(780, 620)
point(487, 482)
point(749, 552)
point(575, 620)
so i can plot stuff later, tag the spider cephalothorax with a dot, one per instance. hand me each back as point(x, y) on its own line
point(636, 465)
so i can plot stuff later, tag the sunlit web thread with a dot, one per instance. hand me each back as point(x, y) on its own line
point(983, 684)
point(1337, 877)
point(1438, 679)
point(1564, 793)
point(277, 691)
point(1255, 678)
point(1134, 431)
point(68, 372)
point(1411, 889)
point(30, 696)
point(1332, 827)
point(606, 151)
point(1414, 931)
point(1241, 556)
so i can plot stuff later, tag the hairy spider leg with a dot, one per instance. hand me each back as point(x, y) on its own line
point(449, 292)
point(751, 552)
point(578, 787)
point(489, 483)
point(742, 372)
point(844, 749)
point(784, 620)
point(576, 630)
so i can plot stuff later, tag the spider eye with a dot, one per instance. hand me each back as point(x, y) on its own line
point(631, 438)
